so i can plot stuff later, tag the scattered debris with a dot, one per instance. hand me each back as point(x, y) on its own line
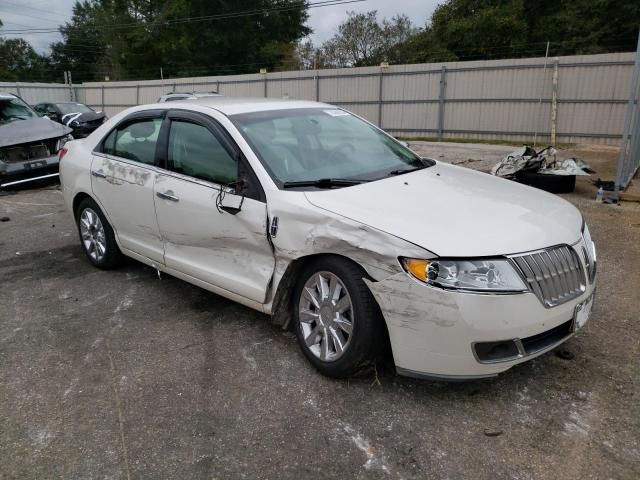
point(570, 166)
point(541, 169)
point(4, 219)
point(607, 185)
point(493, 432)
point(565, 354)
point(543, 161)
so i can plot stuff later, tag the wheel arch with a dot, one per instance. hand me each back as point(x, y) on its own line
point(77, 199)
point(281, 310)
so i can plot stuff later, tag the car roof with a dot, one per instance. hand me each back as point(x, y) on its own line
point(237, 105)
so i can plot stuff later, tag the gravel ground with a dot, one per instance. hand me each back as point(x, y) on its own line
point(124, 375)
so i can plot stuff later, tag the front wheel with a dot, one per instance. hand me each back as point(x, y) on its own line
point(96, 236)
point(337, 320)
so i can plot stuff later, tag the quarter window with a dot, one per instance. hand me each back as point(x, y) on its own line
point(195, 151)
point(135, 141)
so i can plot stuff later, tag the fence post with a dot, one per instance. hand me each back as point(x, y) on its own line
point(441, 99)
point(380, 97)
point(71, 93)
point(18, 89)
point(138, 94)
point(218, 86)
point(554, 102)
point(102, 97)
point(627, 135)
point(317, 87)
point(265, 85)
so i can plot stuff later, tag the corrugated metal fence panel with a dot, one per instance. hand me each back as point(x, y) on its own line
point(33, 93)
point(492, 100)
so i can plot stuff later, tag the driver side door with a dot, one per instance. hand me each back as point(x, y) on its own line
point(203, 239)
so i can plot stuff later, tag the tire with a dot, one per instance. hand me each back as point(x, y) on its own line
point(315, 321)
point(548, 183)
point(99, 233)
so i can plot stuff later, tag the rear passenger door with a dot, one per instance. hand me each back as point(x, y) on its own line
point(124, 170)
point(201, 239)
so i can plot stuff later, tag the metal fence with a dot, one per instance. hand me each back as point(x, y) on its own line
point(573, 99)
point(629, 157)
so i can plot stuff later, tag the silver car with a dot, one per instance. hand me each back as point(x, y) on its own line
point(29, 144)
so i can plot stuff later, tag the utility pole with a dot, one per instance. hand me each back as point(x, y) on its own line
point(71, 90)
point(554, 103)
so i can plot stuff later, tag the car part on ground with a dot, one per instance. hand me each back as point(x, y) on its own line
point(541, 169)
point(77, 116)
point(508, 271)
point(29, 144)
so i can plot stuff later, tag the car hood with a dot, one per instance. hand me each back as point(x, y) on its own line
point(81, 117)
point(32, 130)
point(454, 211)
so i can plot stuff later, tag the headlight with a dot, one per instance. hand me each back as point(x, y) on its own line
point(493, 275)
point(61, 142)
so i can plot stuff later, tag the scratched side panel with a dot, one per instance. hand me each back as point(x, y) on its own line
point(126, 194)
point(307, 230)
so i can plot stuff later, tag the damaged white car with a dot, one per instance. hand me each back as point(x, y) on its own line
point(308, 213)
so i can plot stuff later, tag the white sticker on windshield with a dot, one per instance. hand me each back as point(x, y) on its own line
point(337, 113)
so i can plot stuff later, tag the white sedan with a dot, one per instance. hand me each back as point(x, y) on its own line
point(309, 213)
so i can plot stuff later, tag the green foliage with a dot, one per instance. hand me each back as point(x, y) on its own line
point(487, 29)
point(19, 62)
point(483, 29)
point(133, 39)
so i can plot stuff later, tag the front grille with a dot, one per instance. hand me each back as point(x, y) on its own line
point(29, 151)
point(555, 274)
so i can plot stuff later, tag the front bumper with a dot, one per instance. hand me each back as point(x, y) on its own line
point(433, 332)
point(11, 171)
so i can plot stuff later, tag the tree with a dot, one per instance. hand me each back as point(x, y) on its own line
point(135, 38)
point(362, 40)
point(20, 62)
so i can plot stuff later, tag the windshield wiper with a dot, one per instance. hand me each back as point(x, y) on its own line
point(323, 183)
point(424, 163)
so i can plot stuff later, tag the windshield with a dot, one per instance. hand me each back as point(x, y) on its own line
point(322, 143)
point(73, 108)
point(13, 109)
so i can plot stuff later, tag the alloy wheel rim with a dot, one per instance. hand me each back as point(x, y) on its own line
point(325, 313)
point(92, 233)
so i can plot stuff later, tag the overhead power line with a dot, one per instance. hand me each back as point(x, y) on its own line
point(183, 20)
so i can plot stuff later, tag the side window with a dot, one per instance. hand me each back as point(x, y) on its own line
point(195, 151)
point(135, 141)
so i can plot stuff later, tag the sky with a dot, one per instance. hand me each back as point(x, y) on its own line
point(23, 14)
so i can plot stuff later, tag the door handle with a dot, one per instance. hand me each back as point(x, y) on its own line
point(168, 196)
point(98, 173)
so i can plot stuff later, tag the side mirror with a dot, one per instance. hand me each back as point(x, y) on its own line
point(51, 115)
point(231, 197)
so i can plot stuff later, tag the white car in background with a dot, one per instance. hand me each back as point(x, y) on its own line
point(177, 96)
point(308, 213)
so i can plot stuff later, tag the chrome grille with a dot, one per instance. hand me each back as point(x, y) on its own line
point(555, 275)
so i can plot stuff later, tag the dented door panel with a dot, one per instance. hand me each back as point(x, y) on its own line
point(125, 190)
point(228, 251)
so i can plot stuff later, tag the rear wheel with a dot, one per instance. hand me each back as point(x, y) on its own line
point(337, 320)
point(96, 236)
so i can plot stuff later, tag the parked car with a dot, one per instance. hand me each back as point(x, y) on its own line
point(29, 144)
point(78, 116)
point(313, 215)
point(175, 96)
